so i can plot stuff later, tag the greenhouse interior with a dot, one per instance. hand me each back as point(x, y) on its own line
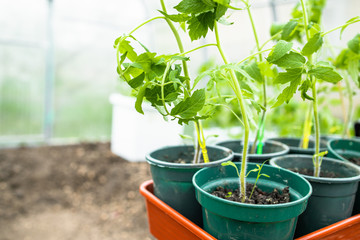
point(179, 119)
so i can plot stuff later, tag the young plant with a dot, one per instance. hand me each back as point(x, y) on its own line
point(302, 69)
point(257, 169)
point(348, 63)
point(163, 82)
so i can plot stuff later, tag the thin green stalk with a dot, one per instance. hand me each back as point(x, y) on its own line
point(315, 103)
point(197, 48)
point(179, 43)
point(348, 118)
point(237, 90)
point(142, 24)
point(262, 119)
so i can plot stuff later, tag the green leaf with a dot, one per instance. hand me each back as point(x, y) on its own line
point(291, 60)
point(275, 28)
point(304, 88)
point(222, 2)
point(354, 44)
point(349, 22)
point(209, 3)
point(139, 99)
point(289, 76)
point(137, 81)
point(182, 17)
point(327, 74)
point(193, 7)
point(220, 11)
point(253, 70)
point(198, 26)
point(182, 58)
point(144, 61)
point(126, 47)
point(288, 30)
point(313, 45)
point(288, 92)
point(280, 49)
point(230, 163)
point(191, 105)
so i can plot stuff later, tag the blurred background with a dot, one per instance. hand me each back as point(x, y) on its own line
point(58, 64)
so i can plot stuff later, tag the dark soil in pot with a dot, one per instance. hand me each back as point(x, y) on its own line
point(257, 196)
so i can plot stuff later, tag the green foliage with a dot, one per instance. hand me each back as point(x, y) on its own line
point(199, 15)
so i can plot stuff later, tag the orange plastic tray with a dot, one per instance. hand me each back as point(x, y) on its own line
point(165, 223)
point(345, 229)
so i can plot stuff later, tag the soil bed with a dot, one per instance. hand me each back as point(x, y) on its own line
point(258, 197)
point(71, 192)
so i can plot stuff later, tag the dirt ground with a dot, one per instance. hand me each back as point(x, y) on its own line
point(72, 192)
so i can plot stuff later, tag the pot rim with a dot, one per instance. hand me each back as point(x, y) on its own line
point(333, 151)
point(257, 206)
point(285, 150)
point(321, 179)
point(161, 163)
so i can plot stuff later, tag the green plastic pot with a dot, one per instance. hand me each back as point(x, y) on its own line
point(341, 149)
point(332, 199)
point(293, 144)
point(227, 220)
point(173, 181)
point(270, 149)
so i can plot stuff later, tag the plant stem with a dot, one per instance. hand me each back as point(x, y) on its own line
point(350, 108)
point(315, 104)
point(197, 48)
point(179, 43)
point(264, 83)
point(237, 90)
point(142, 24)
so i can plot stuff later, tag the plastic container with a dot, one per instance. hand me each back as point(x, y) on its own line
point(332, 199)
point(165, 223)
point(346, 229)
point(173, 181)
point(133, 135)
point(294, 143)
point(270, 149)
point(228, 220)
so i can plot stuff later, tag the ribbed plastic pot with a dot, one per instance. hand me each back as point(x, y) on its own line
point(270, 149)
point(332, 199)
point(173, 181)
point(294, 143)
point(341, 149)
point(227, 220)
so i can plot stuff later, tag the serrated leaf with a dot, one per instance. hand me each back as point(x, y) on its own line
point(287, 93)
point(288, 30)
point(209, 3)
point(289, 76)
point(182, 17)
point(191, 105)
point(291, 60)
point(253, 70)
point(313, 45)
point(198, 26)
point(327, 74)
point(280, 49)
point(137, 81)
point(126, 47)
point(354, 44)
point(193, 7)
